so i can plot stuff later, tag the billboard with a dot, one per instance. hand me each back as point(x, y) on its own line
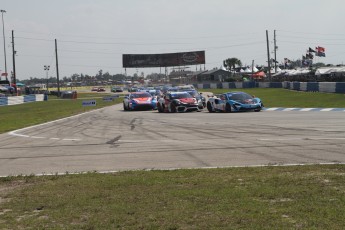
point(163, 60)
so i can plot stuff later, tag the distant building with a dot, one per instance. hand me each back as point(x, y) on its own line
point(215, 75)
point(179, 77)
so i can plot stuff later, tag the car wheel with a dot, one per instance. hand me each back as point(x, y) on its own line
point(124, 107)
point(228, 108)
point(258, 110)
point(172, 108)
point(160, 109)
point(209, 107)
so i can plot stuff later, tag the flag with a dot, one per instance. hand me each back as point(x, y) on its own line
point(311, 50)
point(310, 56)
point(320, 54)
point(320, 49)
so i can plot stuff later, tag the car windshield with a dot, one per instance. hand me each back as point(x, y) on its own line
point(140, 95)
point(193, 93)
point(180, 95)
point(239, 96)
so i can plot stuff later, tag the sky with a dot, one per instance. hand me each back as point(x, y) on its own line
point(92, 35)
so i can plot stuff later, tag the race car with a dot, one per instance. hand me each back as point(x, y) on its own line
point(198, 96)
point(234, 102)
point(139, 101)
point(177, 102)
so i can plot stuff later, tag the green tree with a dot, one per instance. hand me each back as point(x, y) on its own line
point(231, 63)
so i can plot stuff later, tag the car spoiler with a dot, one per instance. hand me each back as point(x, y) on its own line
point(214, 95)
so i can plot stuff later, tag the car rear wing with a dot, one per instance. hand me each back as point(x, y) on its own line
point(214, 95)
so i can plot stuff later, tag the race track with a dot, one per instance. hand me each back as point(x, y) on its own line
point(110, 139)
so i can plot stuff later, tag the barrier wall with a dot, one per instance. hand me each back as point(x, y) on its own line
point(326, 87)
point(15, 100)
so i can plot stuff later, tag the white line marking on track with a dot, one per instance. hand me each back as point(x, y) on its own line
point(302, 138)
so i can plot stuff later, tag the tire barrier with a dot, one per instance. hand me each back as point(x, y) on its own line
point(326, 87)
point(15, 100)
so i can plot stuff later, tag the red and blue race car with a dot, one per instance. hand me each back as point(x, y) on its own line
point(177, 102)
point(139, 101)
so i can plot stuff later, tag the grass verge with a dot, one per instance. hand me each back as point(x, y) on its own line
point(291, 99)
point(293, 197)
point(27, 114)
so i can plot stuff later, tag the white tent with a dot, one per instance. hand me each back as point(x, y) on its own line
point(328, 70)
point(274, 71)
point(223, 68)
point(247, 70)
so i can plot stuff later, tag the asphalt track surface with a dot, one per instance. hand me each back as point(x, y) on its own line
point(111, 139)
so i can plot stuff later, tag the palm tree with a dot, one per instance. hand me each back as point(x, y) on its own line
point(231, 63)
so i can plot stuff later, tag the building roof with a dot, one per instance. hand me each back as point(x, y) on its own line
point(214, 71)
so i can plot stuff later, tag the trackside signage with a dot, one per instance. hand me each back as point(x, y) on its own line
point(89, 103)
point(163, 60)
point(107, 99)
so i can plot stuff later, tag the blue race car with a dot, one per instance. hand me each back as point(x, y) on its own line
point(139, 101)
point(234, 102)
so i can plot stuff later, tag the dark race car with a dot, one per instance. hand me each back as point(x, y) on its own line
point(177, 102)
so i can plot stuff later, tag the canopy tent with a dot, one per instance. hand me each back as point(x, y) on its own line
point(223, 68)
point(329, 70)
point(247, 70)
point(292, 72)
point(20, 84)
point(274, 71)
point(259, 75)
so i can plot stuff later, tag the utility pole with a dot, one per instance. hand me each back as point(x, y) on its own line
point(268, 57)
point(14, 62)
point(46, 68)
point(57, 68)
point(275, 52)
point(252, 70)
point(3, 34)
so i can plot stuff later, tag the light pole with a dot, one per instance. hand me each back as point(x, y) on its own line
point(46, 68)
point(3, 34)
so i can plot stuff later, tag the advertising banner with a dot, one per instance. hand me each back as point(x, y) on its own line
point(163, 60)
